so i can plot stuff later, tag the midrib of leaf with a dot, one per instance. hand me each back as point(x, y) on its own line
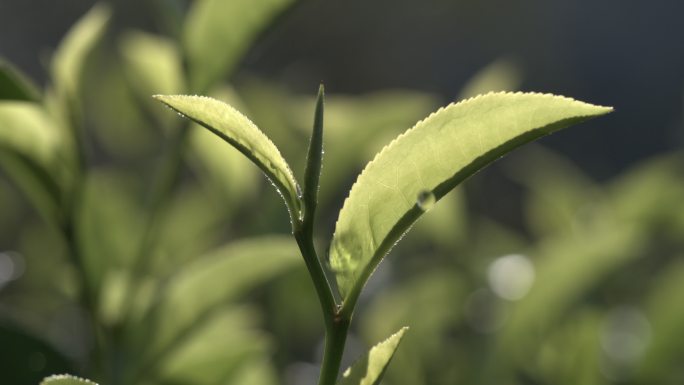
point(354, 268)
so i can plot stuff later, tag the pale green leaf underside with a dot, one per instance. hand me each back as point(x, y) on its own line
point(432, 158)
point(369, 369)
point(217, 33)
point(236, 129)
point(65, 379)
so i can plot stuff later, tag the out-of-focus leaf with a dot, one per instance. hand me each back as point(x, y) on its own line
point(651, 195)
point(26, 128)
point(120, 123)
point(66, 379)
point(430, 304)
point(430, 159)
point(567, 269)
point(109, 223)
point(38, 185)
point(189, 226)
point(217, 352)
point(225, 170)
point(211, 280)
point(14, 85)
point(256, 371)
point(217, 34)
point(661, 363)
point(30, 147)
point(152, 65)
point(370, 368)
point(500, 75)
point(561, 198)
point(241, 133)
point(572, 354)
point(69, 60)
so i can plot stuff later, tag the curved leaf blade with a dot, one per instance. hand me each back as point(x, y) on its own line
point(427, 161)
point(217, 34)
point(66, 379)
point(369, 369)
point(236, 129)
point(69, 61)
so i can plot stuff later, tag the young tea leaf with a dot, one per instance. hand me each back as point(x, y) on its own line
point(370, 368)
point(427, 161)
point(66, 379)
point(236, 129)
point(217, 33)
point(314, 159)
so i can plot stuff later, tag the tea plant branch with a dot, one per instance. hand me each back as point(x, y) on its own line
point(336, 327)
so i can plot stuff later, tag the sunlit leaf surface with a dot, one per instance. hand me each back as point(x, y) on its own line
point(369, 369)
point(423, 164)
point(236, 129)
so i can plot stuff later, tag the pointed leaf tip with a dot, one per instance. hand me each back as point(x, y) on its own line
point(314, 159)
point(370, 368)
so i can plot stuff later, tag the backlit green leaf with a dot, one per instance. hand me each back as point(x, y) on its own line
point(218, 32)
point(29, 153)
point(207, 283)
point(65, 379)
point(369, 369)
point(423, 164)
point(227, 342)
point(236, 129)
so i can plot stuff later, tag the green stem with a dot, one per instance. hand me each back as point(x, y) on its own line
point(318, 276)
point(336, 325)
point(335, 339)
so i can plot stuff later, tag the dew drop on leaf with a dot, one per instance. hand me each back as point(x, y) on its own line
point(425, 200)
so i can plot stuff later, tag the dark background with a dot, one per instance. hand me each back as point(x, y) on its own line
point(627, 54)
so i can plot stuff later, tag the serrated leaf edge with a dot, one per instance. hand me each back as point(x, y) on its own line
point(439, 110)
point(56, 377)
point(296, 211)
point(399, 335)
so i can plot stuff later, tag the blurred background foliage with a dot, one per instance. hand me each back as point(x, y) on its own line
point(136, 249)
